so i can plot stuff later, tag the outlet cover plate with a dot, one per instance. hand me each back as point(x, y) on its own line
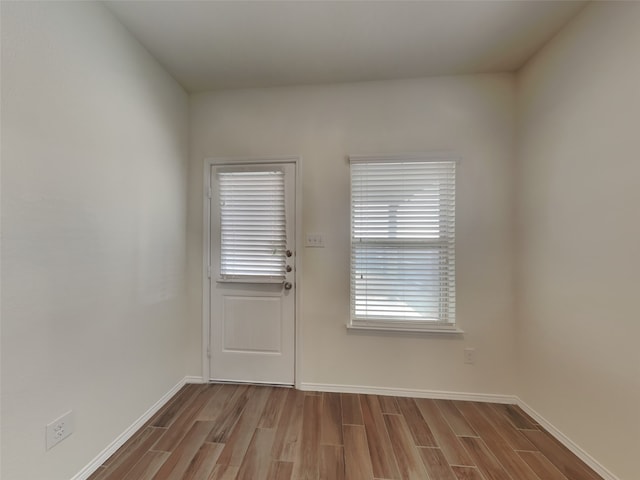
point(60, 429)
point(470, 356)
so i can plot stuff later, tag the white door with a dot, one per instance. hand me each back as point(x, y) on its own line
point(253, 272)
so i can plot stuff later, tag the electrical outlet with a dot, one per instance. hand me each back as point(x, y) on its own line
point(60, 429)
point(470, 356)
point(314, 240)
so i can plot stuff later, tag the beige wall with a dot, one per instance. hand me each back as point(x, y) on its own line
point(94, 151)
point(94, 213)
point(579, 234)
point(473, 116)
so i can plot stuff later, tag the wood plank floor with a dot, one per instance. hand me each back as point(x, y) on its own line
point(227, 432)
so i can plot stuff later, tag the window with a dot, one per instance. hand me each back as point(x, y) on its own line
point(403, 242)
point(252, 224)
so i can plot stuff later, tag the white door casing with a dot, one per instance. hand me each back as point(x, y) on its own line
point(252, 294)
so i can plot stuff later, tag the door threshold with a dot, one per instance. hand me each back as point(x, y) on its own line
point(242, 382)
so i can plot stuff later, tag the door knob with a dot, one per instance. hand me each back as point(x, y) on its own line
point(288, 268)
point(288, 285)
point(288, 253)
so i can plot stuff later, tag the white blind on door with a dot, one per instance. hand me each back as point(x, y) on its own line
point(403, 241)
point(252, 224)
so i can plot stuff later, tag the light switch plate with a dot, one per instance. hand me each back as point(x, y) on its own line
point(314, 240)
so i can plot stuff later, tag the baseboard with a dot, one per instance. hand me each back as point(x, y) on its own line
point(130, 431)
point(193, 379)
point(567, 442)
point(407, 392)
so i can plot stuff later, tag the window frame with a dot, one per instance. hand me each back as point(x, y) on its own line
point(397, 325)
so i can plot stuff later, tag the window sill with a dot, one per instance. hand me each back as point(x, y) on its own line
point(406, 329)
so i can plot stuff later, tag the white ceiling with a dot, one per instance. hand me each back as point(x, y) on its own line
point(214, 44)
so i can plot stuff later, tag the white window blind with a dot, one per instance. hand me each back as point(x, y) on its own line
point(403, 242)
point(252, 224)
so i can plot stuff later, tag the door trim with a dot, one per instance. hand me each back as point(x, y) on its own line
point(206, 255)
